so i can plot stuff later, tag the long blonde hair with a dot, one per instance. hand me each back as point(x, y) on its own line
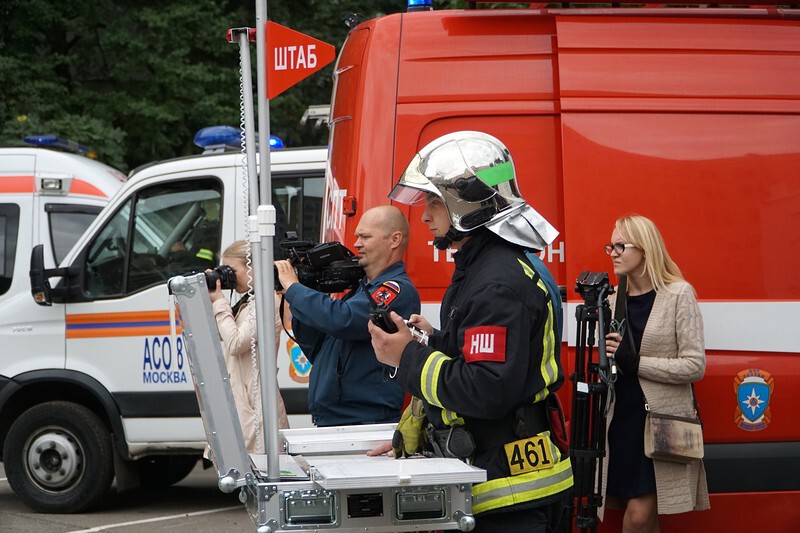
point(658, 265)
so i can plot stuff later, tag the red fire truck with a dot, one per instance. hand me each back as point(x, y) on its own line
point(690, 116)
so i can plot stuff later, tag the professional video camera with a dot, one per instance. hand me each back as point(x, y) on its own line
point(225, 275)
point(327, 267)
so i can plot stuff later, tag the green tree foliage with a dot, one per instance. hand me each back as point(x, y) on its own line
point(135, 79)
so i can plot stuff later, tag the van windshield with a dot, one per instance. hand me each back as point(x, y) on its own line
point(163, 231)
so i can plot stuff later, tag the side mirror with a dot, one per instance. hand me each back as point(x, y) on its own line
point(40, 284)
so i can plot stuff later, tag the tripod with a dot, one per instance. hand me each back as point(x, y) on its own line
point(592, 382)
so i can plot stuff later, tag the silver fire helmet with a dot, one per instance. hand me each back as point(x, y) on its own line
point(474, 175)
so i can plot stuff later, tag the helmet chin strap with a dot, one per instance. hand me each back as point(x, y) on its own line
point(452, 235)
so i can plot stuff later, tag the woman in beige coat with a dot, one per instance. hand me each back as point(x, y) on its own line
point(237, 329)
point(662, 355)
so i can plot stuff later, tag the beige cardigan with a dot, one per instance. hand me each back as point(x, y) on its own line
point(671, 358)
point(236, 335)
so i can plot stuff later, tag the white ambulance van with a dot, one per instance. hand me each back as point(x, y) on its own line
point(49, 194)
point(94, 385)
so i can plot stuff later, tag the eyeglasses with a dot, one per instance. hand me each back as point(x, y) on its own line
point(618, 247)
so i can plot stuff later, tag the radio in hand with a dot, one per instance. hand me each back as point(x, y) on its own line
point(379, 315)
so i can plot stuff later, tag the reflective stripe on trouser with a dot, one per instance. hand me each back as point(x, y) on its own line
point(507, 491)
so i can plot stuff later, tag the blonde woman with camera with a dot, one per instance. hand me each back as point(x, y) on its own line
point(237, 329)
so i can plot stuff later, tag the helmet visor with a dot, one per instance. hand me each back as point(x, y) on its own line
point(414, 185)
point(405, 194)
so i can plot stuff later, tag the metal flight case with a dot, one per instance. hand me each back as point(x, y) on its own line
point(326, 480)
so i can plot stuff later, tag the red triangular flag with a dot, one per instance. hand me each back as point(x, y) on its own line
point(292, 56)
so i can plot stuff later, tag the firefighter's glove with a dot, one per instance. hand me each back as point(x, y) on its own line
point(409, 434)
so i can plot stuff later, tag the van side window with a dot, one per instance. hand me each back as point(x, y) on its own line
point(67, 223)
point(105, 260)
point(300, 200)
point(168, 229)
point(9, 225)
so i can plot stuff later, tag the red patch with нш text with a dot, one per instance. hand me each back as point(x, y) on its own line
point(485, 343)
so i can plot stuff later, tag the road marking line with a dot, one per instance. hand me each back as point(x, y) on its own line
point(98, 529)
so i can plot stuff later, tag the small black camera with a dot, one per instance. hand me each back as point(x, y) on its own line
point(225, 275)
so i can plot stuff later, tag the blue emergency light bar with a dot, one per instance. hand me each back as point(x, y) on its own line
point(420, 5)
point(218, 136)
point(56, 142)
point(226, 136)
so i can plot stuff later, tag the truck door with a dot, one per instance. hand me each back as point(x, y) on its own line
point(117, 319)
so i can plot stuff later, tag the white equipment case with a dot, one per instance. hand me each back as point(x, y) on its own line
point(326, 480)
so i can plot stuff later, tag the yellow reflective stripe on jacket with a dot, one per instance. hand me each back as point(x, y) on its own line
point(506, 491)
point(526, 268)
point(429, 379)
point(451, 418)
point(549, 367)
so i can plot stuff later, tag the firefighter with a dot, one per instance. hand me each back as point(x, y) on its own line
point(484, 386)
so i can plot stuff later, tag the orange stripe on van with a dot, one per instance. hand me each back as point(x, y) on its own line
point(80, 186)
point(121, 332)
point(128, 324)
point(17, 184)
point(131, 316)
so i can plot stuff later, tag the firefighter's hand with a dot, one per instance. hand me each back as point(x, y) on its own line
point(389, 346)
point(422, 323)
point(286, 274)
point(410, 431)
point(381, 449)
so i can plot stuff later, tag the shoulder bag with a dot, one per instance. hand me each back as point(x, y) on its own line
point(673, 438)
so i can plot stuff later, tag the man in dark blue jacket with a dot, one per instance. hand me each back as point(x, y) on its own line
point(348, 385)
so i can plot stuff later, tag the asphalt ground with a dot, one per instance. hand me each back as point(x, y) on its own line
point(195, 505)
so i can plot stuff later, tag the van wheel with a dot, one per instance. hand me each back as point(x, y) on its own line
point(164, 470)
point(58, 458)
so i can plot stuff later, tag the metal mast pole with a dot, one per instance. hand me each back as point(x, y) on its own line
point(263, 258)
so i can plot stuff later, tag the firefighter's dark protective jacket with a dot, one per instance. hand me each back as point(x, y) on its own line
point(497, 350)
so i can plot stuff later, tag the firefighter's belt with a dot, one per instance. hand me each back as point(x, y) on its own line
point(531, 419)
point(455, 441)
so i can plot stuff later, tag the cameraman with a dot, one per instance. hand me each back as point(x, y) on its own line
point(348, 385)
point(237, 326)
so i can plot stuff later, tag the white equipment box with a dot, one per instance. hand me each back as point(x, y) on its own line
point(335, 440)
point(326, 480)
